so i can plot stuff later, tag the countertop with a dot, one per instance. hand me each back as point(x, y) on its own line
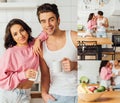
point(113, 31)
point(100, 41)
point(108, 31)
point(107, 97)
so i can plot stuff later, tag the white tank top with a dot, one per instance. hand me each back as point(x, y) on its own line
point(62, 83)
point(117, 78)
point(99, 26)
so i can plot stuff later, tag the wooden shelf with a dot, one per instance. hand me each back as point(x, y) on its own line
point(13, 5)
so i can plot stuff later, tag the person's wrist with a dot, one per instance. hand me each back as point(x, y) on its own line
point(44, 94)
point(38, 39)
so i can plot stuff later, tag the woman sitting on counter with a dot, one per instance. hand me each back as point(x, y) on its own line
point(91, 24)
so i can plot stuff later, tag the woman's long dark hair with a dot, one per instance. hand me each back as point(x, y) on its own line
point(90, 16)
point(103, 64)
point(9, 41)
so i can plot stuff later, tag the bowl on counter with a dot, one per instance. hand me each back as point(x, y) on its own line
point(89, 97)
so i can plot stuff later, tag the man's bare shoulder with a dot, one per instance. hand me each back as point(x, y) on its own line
point(105, 18)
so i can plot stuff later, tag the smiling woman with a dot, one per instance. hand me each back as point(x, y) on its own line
point(20, 64)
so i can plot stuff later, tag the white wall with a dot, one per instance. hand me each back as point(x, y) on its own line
point(108, 9)
point(67, 10)
point(89, 69)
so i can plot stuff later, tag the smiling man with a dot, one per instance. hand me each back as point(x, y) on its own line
point(60, 46)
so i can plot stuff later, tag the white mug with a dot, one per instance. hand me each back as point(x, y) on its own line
point(34, 79)
point(56, 66)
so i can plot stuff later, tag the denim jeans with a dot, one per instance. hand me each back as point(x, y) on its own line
point(117, 87)
point(14, 96)
point(64, 99)
point(101, 34)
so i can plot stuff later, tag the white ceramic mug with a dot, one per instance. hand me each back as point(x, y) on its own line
point(56, 66)
point(34, 79)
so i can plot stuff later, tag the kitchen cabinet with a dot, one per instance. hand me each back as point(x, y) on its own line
point(36, 94)
point(35, 91)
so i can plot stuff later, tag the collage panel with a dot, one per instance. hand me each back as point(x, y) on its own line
point(98, 81)
point(23, 22)
point(98, 51)
point(98, 30)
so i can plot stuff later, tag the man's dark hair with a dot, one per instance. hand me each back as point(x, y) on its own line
point(103, 64)
point(100, 13)
point(46, 7)
point(90, 16)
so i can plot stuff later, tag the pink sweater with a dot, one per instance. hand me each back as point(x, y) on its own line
point(43, 36)
point(106, 73)
point(14, 63)
point(91, 24)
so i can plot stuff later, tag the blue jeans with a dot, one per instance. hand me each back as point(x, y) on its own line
point(116, 86)
point(101, 34)
point(14, 96)
point(64, 99)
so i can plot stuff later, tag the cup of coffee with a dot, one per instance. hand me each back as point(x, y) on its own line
point(56, 66)
point(34, 79)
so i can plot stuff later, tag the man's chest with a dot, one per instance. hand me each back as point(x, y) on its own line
point(55, 45)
